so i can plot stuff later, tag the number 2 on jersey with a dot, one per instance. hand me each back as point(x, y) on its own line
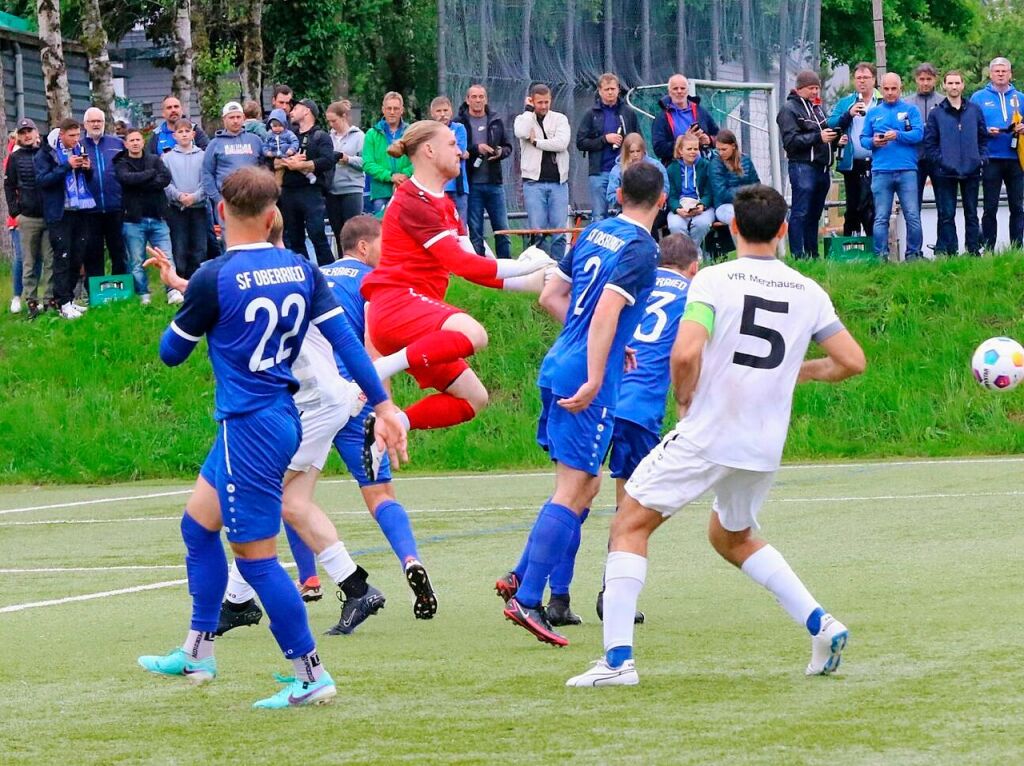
point(749, 326)
point(256, 362)
point(656, 308)
point(593, 264)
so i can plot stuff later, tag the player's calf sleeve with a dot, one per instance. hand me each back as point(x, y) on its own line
point(439, 411)
point(394, 523)
point(207, 568)
point(281, 600)
point(624, 578)
point(238, 591)
point(549, 538)
point(561, 575)
point(337, 562)
point(305, 559)
point(769, 569)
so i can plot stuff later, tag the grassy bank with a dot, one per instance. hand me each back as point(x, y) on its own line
point(89, 401)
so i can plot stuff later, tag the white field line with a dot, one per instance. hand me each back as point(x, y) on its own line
point(490, 476)
point(90, 596)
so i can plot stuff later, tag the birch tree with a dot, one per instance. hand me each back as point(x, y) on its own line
point(94, 40)
point(181, 79)
point(55, 72)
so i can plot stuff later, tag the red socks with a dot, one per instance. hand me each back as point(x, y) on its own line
point(439, 410)
point(438, 347)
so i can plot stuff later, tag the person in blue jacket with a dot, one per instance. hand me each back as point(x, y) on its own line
point(892, 130)
point(1000, 102)
point(854, 162)
point(680, 112)
point(730, 169)
point(106, 219)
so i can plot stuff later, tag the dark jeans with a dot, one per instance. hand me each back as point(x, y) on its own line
point(492, 198)
point(213, 242)
point(809, 184)
point(105, 229)
point(945, 201)
point(304, 210)
point(341, 207)
point(925, 170)
point(860, 207)
point(993, 176)
point(188, 237)
point(69, 237)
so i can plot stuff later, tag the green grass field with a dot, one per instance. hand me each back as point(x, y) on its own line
point(920, 559)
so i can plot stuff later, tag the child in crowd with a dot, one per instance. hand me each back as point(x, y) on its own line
point(281, 142)
point(689, 201)
point(187, 215)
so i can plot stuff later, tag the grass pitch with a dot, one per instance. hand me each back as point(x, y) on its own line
point(921, 560)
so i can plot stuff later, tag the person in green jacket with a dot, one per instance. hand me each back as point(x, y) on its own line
point(385, 172)
point(691, 212)
point(730, 169)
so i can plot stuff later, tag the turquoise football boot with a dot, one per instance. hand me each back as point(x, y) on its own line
point(178, 663)
point(299, 693)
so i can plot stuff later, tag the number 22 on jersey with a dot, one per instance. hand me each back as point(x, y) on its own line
point(263, 305)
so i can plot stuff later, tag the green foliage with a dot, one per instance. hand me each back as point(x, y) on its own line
point(210, 65)
point(302, 40)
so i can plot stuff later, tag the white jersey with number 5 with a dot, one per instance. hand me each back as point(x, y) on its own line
point(766, 314)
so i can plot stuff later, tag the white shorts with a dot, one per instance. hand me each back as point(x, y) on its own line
point(674, 475)
point(319, 427)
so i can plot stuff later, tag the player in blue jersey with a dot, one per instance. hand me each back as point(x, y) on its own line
point(255, 305)
point(600, 287)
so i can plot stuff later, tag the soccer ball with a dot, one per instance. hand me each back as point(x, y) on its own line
point(998, 364)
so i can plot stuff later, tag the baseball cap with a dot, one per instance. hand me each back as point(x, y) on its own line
point(310, 104)
point(230, 108)
point(26, 124)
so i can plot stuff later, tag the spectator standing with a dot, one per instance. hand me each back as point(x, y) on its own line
point(855, 162)
point(282, 98)
point(162, 139)
point(892, 130)
point(633, 150)
point(121, 129)
point(187, 218)
point(307, 176)
point(62, 172)
point(544, 137)
point(810, 148)
point(956, 144)
point(105, 224)
point(344, 196)
point(385, 172)
point(25, 204)
point(457, 188)
point(253, 122)
point(926, 99)
point(681, 112)
point(730, 169)
point(230, 149)
point(599, 136)
point(143, 177)
point(488, 148)
point(18, 262)
point(691, 208)
point(999, 102)
point(279, 141)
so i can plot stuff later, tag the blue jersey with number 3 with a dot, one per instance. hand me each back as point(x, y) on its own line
point(614, 254)
point(643, 390)
point(254, 305)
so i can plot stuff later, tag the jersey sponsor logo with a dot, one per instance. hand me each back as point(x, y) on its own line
point(606, 240)
point(238, 149)
point(263, 277)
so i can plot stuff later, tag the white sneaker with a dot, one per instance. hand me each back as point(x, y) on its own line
point(70, 311)
point(827, 647)
point(174, 297)
point(600, 674)
point(16, 304)
point(145, 299)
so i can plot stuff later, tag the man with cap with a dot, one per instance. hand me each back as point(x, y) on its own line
point(302, 198)
point(25, 202)
point(811, 147)
point(925, 100)
point(230, 148)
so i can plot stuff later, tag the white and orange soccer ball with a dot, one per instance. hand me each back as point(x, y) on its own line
point(998, 364)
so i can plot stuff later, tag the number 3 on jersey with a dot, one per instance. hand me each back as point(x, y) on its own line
point(293, 300)
point(655, 307)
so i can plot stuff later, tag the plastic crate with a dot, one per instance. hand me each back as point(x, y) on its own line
point(115, 287)
point(850, 249)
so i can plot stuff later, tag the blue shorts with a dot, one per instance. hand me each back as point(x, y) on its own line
point(579, 441)
point(630, 445)
point(349, 443)
point(246, 466)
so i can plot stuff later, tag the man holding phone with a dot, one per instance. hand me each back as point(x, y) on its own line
point(855, 162)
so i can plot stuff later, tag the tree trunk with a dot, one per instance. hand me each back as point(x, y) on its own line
point(716, 37)
point(681, 37)
point(879, 24)
point(485, 39)
point(181, 79)
point(570, 44)
point(55, 72)
point(252, 51)
point(645, 44)
point(94, 40)
point(527, 36)
point(609, 15)
point(442, 53)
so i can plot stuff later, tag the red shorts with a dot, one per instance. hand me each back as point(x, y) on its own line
point(398, 317)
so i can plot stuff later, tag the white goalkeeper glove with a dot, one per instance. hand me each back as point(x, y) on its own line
point(532, 259)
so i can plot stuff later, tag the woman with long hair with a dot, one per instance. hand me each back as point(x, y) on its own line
point(691, 212)
point(345, 195)
point(633, 149)
point(730, 169)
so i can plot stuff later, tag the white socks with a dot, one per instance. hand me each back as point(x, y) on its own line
point(624, 577)
point(238, 591)
point(768, 568)
point(336, 562)
point(198, 645)
point(392, 364)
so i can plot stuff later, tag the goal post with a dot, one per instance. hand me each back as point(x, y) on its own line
point(746, 108)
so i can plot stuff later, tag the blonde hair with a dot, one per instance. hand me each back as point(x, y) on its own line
point(683, 140)
point(414, 137)
point(392, 95)
point(341, 108)
point(276, 232)
point(630, 142)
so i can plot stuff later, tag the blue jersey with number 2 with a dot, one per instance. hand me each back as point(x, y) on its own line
point(614, 254)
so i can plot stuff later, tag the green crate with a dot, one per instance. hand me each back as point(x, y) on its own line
point(115, 287)
point(850, 249)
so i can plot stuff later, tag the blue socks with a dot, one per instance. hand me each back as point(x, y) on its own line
point(281, 600)
point(394, 523)
point(549, 539)
point(814, 621)
point(207, 568)
point(617, 655)
point(305, 559)
point(561, 575)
